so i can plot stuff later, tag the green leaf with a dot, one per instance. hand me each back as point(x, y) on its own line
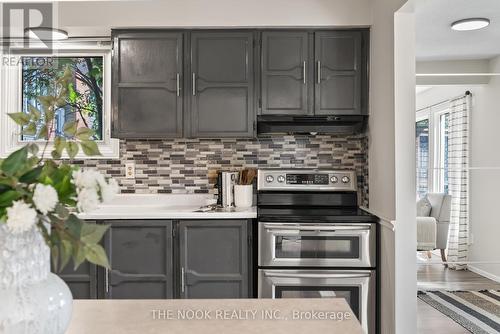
point(30, 129)
point(44, 230)
point(70, 128)
point(4, 188)
point(72, 94)
point(93, 233)
point(61, 102)
point(90, 148)
point(55, 155)
point(31, 176)
point(66, 249)
point(6, 198)
point(94, 253)
point(84, 133)
point(54, 252)
point(20, 118)
point(15, 161)
point(34, 113)
point(33, 148)
point(43, 133)
point(62, 211)
point(74, 225)
point(72, 149)
point(47, 101)
point(78, 255)
point(59, 144)
point(65, 189)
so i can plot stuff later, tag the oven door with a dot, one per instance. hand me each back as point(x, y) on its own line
point(357, 287)
point(316, 245)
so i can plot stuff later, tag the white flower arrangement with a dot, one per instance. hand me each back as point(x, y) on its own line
point(45, 198)
point(21, 217)
point(43, 193)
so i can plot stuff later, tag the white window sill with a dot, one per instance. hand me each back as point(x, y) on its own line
point(109, 150)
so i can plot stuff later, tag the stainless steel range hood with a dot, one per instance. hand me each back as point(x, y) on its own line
point(346, 124)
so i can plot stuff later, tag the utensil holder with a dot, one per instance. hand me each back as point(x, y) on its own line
point(243, 195)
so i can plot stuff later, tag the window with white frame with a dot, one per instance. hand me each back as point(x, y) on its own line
point(26, 76)
point(431, 143)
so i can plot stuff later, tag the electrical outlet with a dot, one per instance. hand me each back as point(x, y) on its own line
point(130, 170)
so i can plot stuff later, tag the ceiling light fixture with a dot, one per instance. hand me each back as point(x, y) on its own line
point(46, 34)
point(470, 24)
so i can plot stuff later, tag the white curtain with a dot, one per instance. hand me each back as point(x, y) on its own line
point(458, 180)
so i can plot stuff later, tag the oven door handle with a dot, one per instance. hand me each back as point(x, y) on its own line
point(304, 275)
point(318, 228)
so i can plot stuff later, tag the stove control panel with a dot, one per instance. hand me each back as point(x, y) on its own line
point(306, 179)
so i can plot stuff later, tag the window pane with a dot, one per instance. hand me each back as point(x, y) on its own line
point(422, 149)
point(84, 102)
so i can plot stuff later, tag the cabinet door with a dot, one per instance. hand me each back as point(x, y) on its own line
point(286, 73)
point(214, 259)
point(81, 282)
point(140, 255)
point(222, 85)
point(338, 72)
point(147, 75)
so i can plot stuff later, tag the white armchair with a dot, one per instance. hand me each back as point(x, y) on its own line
point(432, 230)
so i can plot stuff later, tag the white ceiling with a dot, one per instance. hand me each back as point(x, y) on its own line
point(437, 41)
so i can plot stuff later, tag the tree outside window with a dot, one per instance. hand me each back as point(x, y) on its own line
point(84, 102)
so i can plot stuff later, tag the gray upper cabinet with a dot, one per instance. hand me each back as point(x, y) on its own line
point(214, 259)
point(222, 84)
point(147, 81)
point(286, 73)
point(140, 255)
point(338, 89)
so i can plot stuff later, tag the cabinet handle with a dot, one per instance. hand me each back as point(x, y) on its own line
point(182, 279)
point(304, 71)
point(106, 278)
point(194, 84)
point(319, 71)
point(178, 84)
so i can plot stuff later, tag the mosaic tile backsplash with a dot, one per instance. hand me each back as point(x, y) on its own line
point(190, 165)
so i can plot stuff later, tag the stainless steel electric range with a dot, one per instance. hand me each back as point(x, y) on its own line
point(314, 241)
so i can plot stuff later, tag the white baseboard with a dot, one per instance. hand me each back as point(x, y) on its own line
point(484, 273)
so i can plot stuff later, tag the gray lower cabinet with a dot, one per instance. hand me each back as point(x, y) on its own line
point(160, 259)
point(214, 259)
point(222, 84)
point(147, 81)
point(140, 255)
point(81, 282)
point(339, 62)
point(286, 73)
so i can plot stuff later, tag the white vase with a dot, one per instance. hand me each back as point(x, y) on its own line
point(243, 195)
point(32, 299)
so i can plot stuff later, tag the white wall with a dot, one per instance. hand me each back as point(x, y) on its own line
point(485, 167)
point(485, 178)
point(97, 18)
point(398, 311)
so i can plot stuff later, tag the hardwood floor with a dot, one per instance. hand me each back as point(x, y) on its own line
point(434, 276)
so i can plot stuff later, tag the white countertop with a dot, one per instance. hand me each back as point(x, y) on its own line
point(214, 316)
point(164, 206)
